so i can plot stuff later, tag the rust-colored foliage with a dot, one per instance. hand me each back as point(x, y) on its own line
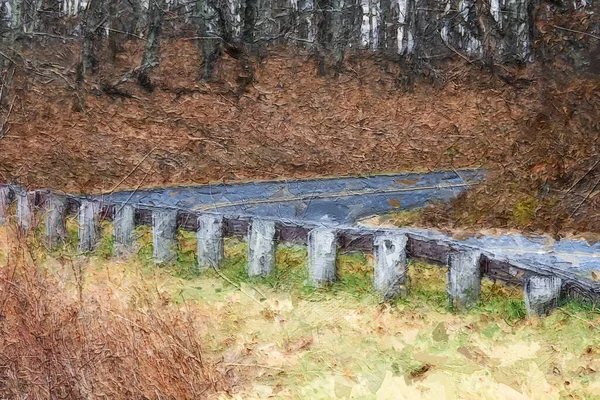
point(535, 127)
point(54, 345)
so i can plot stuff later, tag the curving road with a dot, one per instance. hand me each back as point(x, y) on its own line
point(331, 201)
point(342, 202)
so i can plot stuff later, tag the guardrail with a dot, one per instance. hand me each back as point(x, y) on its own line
point(543, 285)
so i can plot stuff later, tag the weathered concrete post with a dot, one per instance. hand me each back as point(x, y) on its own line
point(210, 241)
point(391, 269)
point(4, 203)
point(322, 254)
point(464, 279)
point(164, 231)
point(25, 212)
point(89, 215)
point(542, 294)
point(261, 248)
point(123, 226)
point(56, 214)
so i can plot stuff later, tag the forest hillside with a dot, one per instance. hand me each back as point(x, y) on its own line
point(106, 95)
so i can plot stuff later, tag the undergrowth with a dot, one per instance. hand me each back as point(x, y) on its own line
point(60, 341)
point(427, 283)
point(57, 344)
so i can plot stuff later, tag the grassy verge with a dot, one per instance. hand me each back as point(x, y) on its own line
point(278, 337)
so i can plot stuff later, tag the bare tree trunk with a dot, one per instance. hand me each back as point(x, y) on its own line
point(489, 33)
point(50, 15)
point(336, 20)
point(6, 39)
point(250, 19)
point(151, 57)
point(93, 20)
point(205, 17)
point(304, 20)
point(137, 20)
point(114, 37)
point(16, 18)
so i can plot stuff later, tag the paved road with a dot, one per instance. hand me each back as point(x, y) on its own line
point(344, 201)
point(335, 201)
point(577, 256)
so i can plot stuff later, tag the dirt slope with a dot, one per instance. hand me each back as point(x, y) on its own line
point(530, 131)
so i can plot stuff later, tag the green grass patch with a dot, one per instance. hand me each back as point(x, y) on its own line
point(69, 246)
point(355, 271)
point(501, 301)
point(427, 285)
point(106, 244)
point(143, 235)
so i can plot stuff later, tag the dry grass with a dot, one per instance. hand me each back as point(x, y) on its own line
point(90, 327)
point(59, 341)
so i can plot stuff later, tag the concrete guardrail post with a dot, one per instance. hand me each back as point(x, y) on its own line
point(261, 248)
point(4, 203)
point(542, 294)
point(464, 279)
point(210, 241)
point(89, 234)
point(25, 212)
point(56, 214)
point(123, 227)
point(391, 268)
point(322, 254)
point(164, 231)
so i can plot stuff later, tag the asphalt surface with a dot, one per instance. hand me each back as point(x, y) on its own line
point(332, 201)
point(344, 201)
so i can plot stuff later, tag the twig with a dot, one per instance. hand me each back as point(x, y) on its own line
point(7, 57)
point(128, 33)
point(579, 318)
point(137, 188)
point(49, 35)
point(456, 51)
point(236, 286)
point(133, 170)
point(253, 365)
point(586, 197)
point(126, 319)
point(586, 174)
point(576, 31)
point(204, 38)
point(6, 119)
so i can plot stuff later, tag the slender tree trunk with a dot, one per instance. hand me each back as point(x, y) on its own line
point(490, 34)
point(205, 20)
point(332, 36)
point(6, 39)
point(137, 20)
point(92, 23)
point(250, 19)
point(16, 18)
point(151, 57)
point(114, 37)
point(156, 13)
point(50, 15)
